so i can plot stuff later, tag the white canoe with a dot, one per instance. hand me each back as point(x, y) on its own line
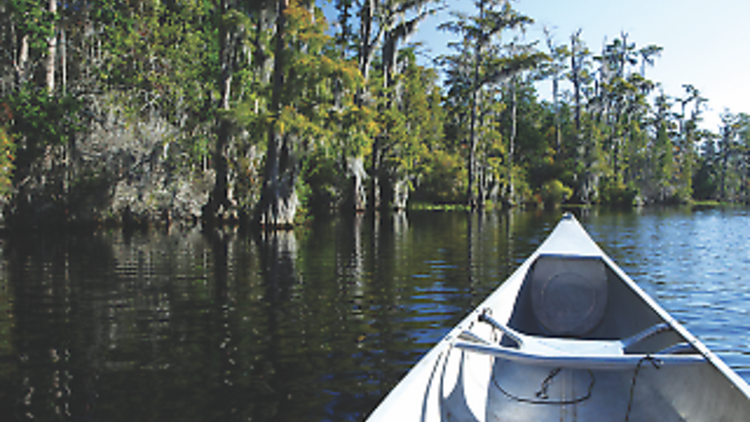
point(568, 337)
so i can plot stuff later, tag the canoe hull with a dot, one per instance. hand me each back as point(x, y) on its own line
point(451, 383)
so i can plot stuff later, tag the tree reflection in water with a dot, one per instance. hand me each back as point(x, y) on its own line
point(191, 326)
point(313, 324)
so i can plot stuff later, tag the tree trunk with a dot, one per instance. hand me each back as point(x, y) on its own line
point(481, 174)
point(376, 186)
point(584, 147)
point(22, 63)
point(357, 174)
point(278, 202)
point(63, 61)
point(558, 132)
point(400, 194)
point(512, 140)
point(219, 195)
point(576, 73)
point(390, 48)
point(555, 85)
point(51, 50)
point(723, 175)
point(367, 15)
point(470, 191)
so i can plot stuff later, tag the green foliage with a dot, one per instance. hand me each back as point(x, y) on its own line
point(411, 123)
point(34, 20)
point(319, 190)
point(522, 190)
point(609, 139)
point(442, 178)
point(615, 193)
point(164, 55)
point(314, 75)
point(38, 120)
point(663, 159)
point(554, 193)
point(7, 161)
point(414, 121)
point(705, 183)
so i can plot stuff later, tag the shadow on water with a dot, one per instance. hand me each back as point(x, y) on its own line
point(308, 325)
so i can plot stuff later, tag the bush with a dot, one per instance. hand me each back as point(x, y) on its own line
point(7, 160)
point(442, 179)
point(554, 193)
point(318, 185)
point(38, 120)
point(615, 193)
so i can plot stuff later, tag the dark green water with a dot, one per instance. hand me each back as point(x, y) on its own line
point(315, 325)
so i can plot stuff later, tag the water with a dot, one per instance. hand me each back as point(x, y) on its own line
point(315, 325)
point(696, 265)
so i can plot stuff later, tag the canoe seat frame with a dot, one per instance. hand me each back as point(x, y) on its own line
point(576, 353)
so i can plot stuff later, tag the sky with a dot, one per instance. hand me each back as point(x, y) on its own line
point(705, 42)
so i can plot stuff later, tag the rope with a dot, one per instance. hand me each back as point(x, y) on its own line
point(656, 364)
point(542, 393)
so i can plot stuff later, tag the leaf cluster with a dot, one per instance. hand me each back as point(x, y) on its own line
point(38, 120)
point(34, 20)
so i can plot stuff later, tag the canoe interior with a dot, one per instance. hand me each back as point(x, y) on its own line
point(625, 312)
point(679, 393)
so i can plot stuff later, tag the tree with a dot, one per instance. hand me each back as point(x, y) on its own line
point(689, 136)
point(494, 16)
point(558, 54)
point(662, 152)
point(520, 58)
point(744, 156)
point(705, 185)
point(413, 123)
point(306, 111)
point(586, 144)
point(732, 157)
point(230, 22)
point(397, 22)
point(40, 122)
point(33, 36)
point(278, 203)
point(647, 55)
point(578, 65)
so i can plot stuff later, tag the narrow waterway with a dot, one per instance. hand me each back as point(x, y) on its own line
point(312, 325)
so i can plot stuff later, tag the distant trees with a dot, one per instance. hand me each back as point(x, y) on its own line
point(728, 165)
point(273, 114)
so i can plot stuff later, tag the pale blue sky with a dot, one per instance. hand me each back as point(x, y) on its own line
point(705, 42)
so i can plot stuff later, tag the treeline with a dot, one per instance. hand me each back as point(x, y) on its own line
point(265, 111)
